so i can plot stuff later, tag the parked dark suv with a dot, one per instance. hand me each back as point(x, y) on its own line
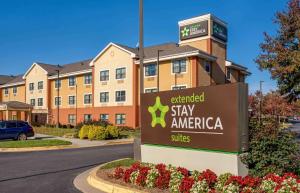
point(17, 130)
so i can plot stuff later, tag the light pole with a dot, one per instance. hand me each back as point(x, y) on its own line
point(158, 52)
point(141, 52)
point(260, 100)
point(76, 112)
point(57, 105)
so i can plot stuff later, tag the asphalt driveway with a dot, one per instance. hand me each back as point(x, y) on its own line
point(53, 171)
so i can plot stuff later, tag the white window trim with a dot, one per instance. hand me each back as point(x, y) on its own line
point(152, 75)
point(69, 100)
point(100, 75)
point(14, 89)
point(69, 119)
point(125, 73)
point(60, 84)
point(187, 62)
point(179, 85)
point(84, 97)
point(34, 102)
point(87, 114)
point(29, 86)
point(6, 89)
point(91, 79)
point(149, 88)
point(104, 114)
point(37, 104)
point(116, 118)
point(60, 101)
point(116, 96)
point(38, 85)
point(69, 82)
point(100, 97)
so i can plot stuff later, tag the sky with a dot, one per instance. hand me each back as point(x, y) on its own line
point(62, 32)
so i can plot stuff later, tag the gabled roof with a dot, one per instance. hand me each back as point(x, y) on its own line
point(48, 68)
point(76, 66)
point(5, 78)
point(127, 49)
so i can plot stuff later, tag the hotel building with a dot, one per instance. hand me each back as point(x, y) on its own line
point(107, 86)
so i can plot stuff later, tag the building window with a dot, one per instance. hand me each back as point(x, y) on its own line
point(87, 99)
point(57, 101)
point(150, 70)
point(120, 119)
point(31, 86)
point(40, 102)
point(15, 90)
point(178, 87)
point(72, 81)
point(6, 91)
point(32, 102)
point(40, 85)
point(150, 90)
point(71, 119)
point(57, 83)
point(72, 100)
point(104, 75)
point(120, 96)
point(120, 73)
point(228, 74)
point(88, 79)
point(87, 117)
point(179, 66)
point(103, 117)
point(104, 97)
point(207, 66)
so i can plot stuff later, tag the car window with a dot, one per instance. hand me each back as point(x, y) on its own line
point(11, 125)
point(2, 125)
point(21, 125)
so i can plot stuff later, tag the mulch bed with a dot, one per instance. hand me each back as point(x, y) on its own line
point(106, 174)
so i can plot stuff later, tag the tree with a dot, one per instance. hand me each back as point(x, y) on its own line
point(280, 55)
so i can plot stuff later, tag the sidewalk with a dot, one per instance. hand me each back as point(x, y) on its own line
point(85, 143)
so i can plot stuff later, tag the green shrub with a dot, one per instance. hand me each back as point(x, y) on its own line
point(94, 122)
point(97, 133)
point(113, 132)
point(271, 151)
point(84, 131)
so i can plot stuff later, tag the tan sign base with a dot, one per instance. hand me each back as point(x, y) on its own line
point(194, 159)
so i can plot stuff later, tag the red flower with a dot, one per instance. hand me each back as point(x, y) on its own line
point(183, 171)
point(249, 181)
point(290, 175)
point(186, 184)
point(118, 173)
point(162, 182)
point(237, 180)
point(209, 176)
point(141, 179)
point(127, 174)
point(160, 167)
point(274, 178)
point(135, 166)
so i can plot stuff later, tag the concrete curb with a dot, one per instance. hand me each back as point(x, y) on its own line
point(106, 186)
point(61, 147)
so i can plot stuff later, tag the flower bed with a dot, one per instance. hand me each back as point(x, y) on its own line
point(180, 180)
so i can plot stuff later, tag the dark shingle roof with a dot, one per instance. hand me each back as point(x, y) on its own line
point(167, 49)
point(16, 79)
point(51, 69)
point(5, 78)
point(16, 105)
point(76, 66)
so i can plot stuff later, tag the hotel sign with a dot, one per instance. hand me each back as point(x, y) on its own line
point(194, 30)
point(211, 117)
point(219, 31)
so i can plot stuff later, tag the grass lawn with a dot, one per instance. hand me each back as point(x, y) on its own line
point(114, 164)
point(33, 143)
point(54, 131)
point(130, 133)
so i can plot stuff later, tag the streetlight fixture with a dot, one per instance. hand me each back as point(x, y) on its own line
point(260, 100)
point(58, 87)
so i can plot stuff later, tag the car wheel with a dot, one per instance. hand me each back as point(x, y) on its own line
point(22, 137)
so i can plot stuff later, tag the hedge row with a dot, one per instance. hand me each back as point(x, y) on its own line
point(94, 132)
point(180, 180)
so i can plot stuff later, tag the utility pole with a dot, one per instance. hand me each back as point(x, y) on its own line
point(76, 105)
point(260, 100)
point(141, 52)
point(57, 106)
point(158, 51)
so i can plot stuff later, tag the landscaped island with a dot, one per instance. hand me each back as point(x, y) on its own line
point(161, 178)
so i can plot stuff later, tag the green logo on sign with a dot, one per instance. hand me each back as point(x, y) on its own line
point(163, 110)
point(185, 32)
